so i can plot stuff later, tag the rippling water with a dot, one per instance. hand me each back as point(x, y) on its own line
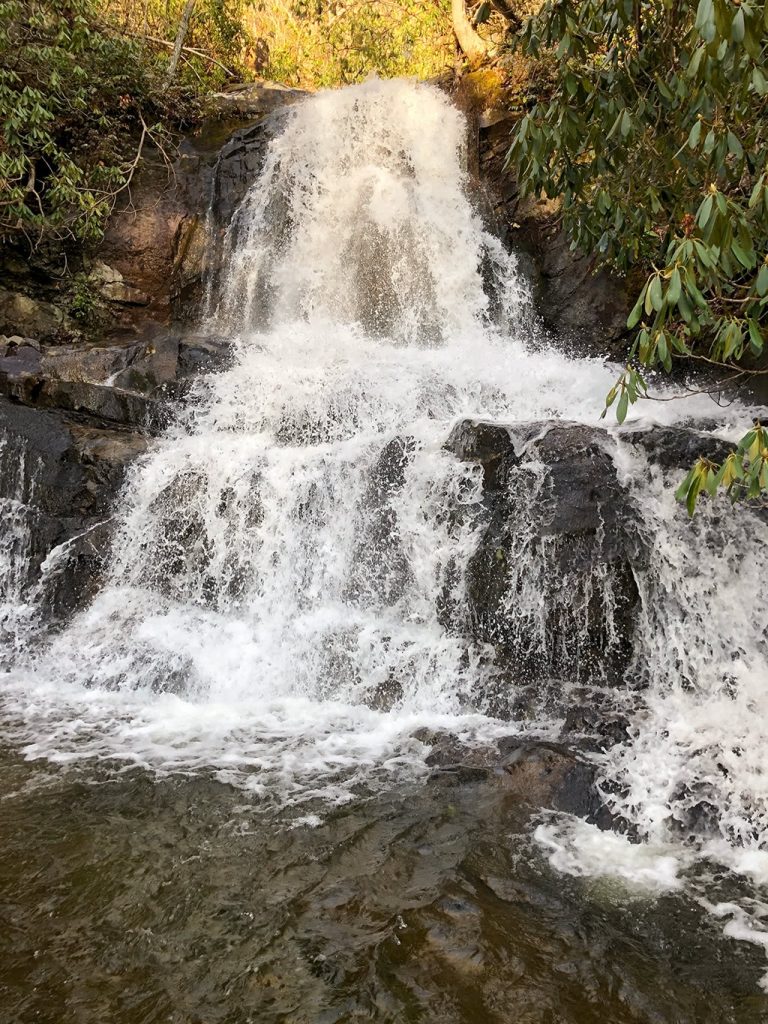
point(128, 900)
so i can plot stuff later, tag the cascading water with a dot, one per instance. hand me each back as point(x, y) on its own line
point(272, 610)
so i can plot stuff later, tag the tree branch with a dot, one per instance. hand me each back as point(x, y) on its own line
point(471, 43)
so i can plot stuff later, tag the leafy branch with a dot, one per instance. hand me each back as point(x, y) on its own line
point(654, 131)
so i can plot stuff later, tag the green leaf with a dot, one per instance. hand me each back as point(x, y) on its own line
point(637, 310)
point(654, 290)
point(761, 285)
point(737, 26)
point(674, 289)
point(704, 13)
point(623, 406)
point(694, 136)
point(734, 145)
point(663, 350)
point(682, 490)
point(695, 62)
point(747, 441)
point(746, 259)
point(756, 340)
point(705, 212)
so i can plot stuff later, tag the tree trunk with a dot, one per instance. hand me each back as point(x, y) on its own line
point(472, 45)
point(181, 35)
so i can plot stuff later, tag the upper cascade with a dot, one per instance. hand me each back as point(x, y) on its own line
point(360, 216)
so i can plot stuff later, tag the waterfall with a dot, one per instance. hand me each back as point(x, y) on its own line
point(18, 480)
point(273, 608)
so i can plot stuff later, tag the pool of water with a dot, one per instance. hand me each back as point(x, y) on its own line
point(127, 899)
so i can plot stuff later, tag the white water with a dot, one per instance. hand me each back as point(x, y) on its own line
point(269, 615)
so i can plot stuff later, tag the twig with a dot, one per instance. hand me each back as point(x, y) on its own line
point(185, 49)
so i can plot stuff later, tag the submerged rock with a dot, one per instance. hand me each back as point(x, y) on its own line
point(549, 776)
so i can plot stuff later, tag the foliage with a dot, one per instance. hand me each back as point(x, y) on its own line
point(312, 43)
point(216, 45)
point(82, 80)
point(654, 130)
point(84, 302)
point(71, 93)
point(743, 474)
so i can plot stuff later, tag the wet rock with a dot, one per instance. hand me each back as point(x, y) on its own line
point(194, 239)
point(593, 722)
point(92, 401)
point(678, 447)
point(490, 444)
point(551, 583)
point(65, 475)
point(93, 364)
point(203, 355)
point(550, 776)
point(240, 161)
point(382, 569)
point(544, 775)
point(448, 750)
point(583, 309)
point(152, 365)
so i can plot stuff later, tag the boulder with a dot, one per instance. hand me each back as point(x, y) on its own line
point(678, 447)
point(22, 314)
point(92, 401)
point(550, 585)
point(255, 99)
point(62, 477)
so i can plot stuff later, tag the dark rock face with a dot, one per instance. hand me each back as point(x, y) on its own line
point(100, 402)
point(678, 447)
point(584, 310)
point(64, 475)
point(150, 268)
point(382, 569)
point(551, 583)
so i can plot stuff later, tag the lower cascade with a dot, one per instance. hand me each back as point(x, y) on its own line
point(395, 520)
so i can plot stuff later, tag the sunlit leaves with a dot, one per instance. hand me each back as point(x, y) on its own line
point(743, 475)
point(662, 165)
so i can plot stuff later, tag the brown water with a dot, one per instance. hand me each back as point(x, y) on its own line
point(128, 900)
